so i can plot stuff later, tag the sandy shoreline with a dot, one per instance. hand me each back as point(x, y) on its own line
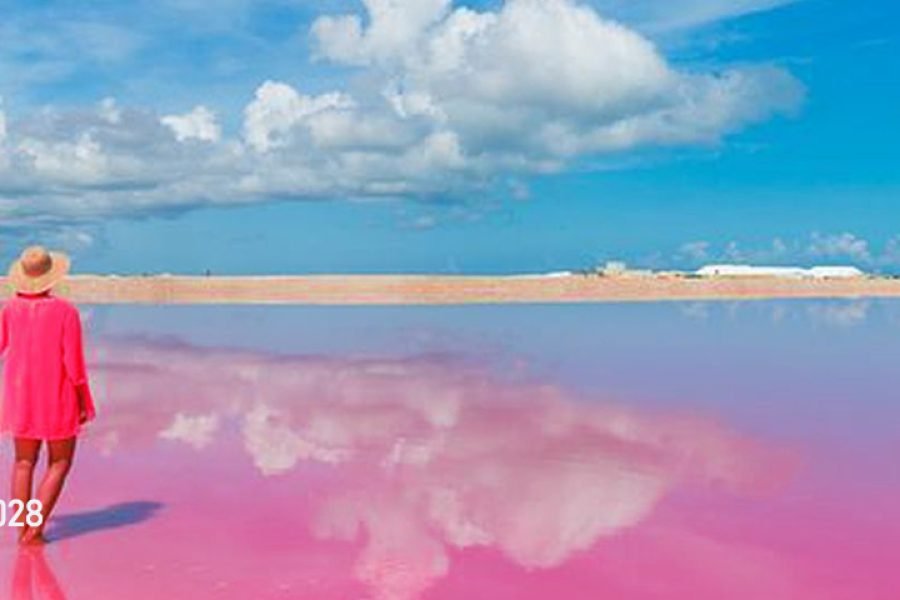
point(441, 289)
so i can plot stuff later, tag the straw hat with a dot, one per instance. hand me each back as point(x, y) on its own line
point(37, 270)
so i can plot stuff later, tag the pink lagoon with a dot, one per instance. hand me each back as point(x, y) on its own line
point(696, 451)
point(450, 299)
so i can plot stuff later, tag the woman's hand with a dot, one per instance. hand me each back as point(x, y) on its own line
point(83, 413)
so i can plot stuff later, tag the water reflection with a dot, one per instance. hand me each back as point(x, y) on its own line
point(429, 455)
point(33, 578)
point(844, 314)
point(838, 313)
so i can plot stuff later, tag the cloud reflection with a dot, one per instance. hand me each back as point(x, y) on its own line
point(432, 454)
point(840, 314)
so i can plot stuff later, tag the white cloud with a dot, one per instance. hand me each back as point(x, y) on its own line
point(843, 245)
point(110, 111)
point(86, 164)
point(81, 161)
point(394, 29)
point(541, 81)
point(278, 108)
point(199, 124)
point(891, 254)
point(2, 123)
point(695, 251)
point(817, 248)
point(449, 101)
point(4, 158)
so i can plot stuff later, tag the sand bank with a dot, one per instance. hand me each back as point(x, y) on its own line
point(440, 289)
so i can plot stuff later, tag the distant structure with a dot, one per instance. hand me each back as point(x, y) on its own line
point(835, 272)
point(826, 272)
point(616, 268)
point(751, 271)
point(549, 275)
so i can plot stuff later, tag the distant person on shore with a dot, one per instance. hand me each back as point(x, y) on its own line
point(46, 397)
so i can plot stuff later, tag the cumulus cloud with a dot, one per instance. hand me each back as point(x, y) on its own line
point(107, 160)
point(891, 254)
point(199, 124)
point(2, 124)
point(536, 82)
point(278, 109)
point(817, 248)
point(4, 157)
point(843, 245)
point(695, 251)
point(450, 100)
point(701, 251)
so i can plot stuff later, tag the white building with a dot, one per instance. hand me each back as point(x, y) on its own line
point(827, 272)
point(614, 267)
point(751, 271)
point(835, 272)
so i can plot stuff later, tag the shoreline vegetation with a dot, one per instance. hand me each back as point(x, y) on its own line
point(456, 289)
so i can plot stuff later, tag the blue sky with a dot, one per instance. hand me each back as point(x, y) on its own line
point(423, 135)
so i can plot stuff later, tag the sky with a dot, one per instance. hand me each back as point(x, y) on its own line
point(289, 136)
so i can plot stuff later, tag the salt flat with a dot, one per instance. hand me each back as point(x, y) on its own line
point(447, 289)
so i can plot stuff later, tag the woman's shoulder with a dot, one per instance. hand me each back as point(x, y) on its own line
point(60, 304)
point(64, 305)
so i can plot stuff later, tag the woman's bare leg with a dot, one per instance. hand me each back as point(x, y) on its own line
point(27, 452)
point(59, 455)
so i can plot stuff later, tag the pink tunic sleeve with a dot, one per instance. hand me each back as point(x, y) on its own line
point(2, 330)
point(73, 360)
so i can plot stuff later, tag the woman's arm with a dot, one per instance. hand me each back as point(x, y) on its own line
point(86, 410)
point(76, 370)
point(3, 333)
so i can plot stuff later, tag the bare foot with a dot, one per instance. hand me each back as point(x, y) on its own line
point(33, 537)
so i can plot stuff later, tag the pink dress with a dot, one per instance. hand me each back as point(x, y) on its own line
point(40, 340)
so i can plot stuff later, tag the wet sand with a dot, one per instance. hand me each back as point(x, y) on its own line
point(442, 289)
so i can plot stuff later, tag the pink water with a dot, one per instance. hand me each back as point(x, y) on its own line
point(505, 463)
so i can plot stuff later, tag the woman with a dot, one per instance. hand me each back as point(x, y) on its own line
point(46, 397)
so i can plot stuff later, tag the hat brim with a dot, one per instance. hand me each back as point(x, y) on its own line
point(22, 282)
